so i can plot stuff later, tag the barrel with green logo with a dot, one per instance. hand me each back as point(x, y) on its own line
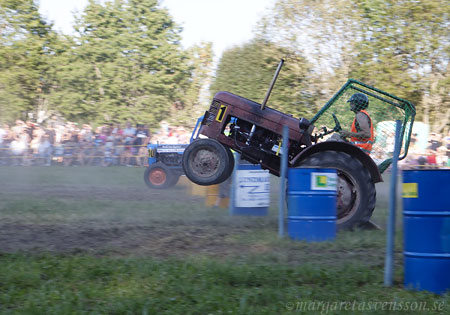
point(311, 201)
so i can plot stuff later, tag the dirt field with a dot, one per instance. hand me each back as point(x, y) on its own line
point(98, 236)
point(112, 212)
point(138, 233)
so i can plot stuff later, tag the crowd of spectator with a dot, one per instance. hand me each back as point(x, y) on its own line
point(27, 143)
point(70, 144)
point(436, 154)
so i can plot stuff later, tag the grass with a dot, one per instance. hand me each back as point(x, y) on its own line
point(95, 240)
point(58, 284)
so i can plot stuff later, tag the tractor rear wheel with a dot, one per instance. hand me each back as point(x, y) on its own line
point(356, 191)
point(207, 162)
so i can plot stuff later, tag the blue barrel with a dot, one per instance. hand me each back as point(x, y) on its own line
point(426, 226)
point(311, 202)
point(251, 190)
point(151, 153)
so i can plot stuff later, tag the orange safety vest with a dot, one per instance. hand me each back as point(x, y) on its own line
point(364, 144)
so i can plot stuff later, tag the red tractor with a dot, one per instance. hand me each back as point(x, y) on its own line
point(255, 131)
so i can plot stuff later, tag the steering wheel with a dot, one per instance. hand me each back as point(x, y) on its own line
point(337, 126)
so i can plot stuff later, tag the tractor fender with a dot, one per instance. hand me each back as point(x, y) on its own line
point(346, 147)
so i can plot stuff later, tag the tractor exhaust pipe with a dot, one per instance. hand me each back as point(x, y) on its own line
point(272, 84)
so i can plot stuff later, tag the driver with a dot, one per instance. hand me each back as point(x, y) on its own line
point(361, 134)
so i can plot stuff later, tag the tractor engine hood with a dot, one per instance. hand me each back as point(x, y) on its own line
point(269, 118)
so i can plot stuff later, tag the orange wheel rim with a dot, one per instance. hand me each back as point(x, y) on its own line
point(157, 177)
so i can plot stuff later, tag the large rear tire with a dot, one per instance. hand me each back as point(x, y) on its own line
point(356, 191)
point(159, 176)
point(207, 162)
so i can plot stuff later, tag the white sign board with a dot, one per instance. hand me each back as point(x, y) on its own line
point(252, 188)
point(323, 181)
point(171, 148)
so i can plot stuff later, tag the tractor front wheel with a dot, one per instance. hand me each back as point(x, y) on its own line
point(207, 162)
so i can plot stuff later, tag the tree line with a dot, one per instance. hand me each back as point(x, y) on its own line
point(399, 46)
point(124, 60)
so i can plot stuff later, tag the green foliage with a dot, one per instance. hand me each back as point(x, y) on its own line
point(406, 46)
point(321, 31)
point(248, 70)
point(26, 45)
point(125, 63)
point(398, 46)
point(400, 40)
